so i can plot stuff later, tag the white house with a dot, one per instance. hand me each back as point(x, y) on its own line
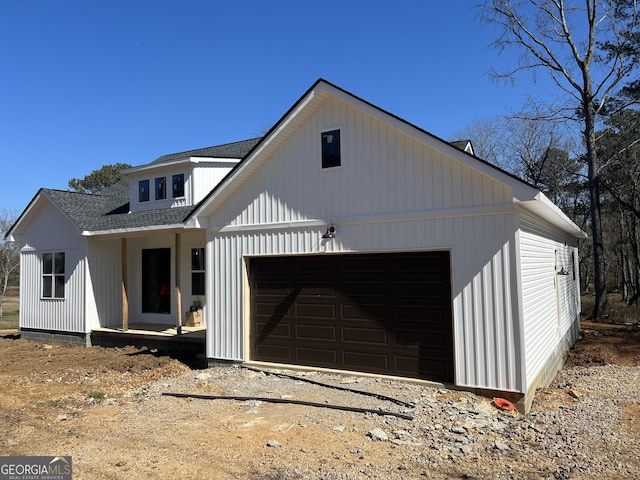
point(346, 238)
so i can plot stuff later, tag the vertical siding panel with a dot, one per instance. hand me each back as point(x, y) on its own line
point(63, 315)
point(437, 181)
point(546, 322)
point(384, 171)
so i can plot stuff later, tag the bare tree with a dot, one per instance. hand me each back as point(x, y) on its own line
point(9, 255)
point(485, 135)
point(587, 50)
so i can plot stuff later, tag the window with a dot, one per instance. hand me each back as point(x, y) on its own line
point(143, 191)
point(53, 275)
point(177, 182)
point(156, 280)
point(161, 188)
point(331, 149)
point(197, 271)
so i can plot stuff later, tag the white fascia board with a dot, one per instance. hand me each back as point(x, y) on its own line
point(247, 162)
point(154, 166)
point(547, 210)
point(188, 160)
point(44, 196)
point(197, 222)
point(128, 231)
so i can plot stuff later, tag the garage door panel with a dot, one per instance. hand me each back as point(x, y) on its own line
point(435, 340)
point(364, 313)
point(272, 353)
point(364, 288)
point(434, 291)
point(425, 314)
point(366, 361)
point(316, 332)
point(382, 313)
point(315, 291)
point(365, 335)
point(269, 309)
point(321, 357)
point(303, 310)
point(274, 330)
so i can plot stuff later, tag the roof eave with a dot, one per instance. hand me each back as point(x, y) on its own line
point(13, 234)
point(133, 230)
point(547, 210)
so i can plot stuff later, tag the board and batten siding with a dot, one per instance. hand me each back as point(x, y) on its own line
point(207, 176)
point(392, 193)
point(104, 283)
point(50, 231)
point(63, 315)
point(550, 302)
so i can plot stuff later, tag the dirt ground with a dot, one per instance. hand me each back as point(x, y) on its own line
point(63, 400)
point(98, 406)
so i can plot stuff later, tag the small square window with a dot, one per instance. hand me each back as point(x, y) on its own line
point(177, 184)
point(143, 191)
point(161, 188)
point(331, 149)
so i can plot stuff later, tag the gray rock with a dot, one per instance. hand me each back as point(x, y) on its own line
point(401, 434)
point(466, 449)
point(378, 435)
point(459, 430)
point(274, 444)
point(498, 445)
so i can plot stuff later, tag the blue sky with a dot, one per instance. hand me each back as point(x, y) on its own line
point(88, 83)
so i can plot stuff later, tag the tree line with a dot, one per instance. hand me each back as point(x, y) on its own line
point(581, 149)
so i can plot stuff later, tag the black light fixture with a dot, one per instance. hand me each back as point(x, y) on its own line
point(330, 233)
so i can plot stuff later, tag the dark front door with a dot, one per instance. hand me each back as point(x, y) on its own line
point(156, 280)
point(379, 313)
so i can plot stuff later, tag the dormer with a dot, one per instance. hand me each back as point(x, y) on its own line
point(182, 179)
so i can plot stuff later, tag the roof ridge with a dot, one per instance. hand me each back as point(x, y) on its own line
point(220, 146)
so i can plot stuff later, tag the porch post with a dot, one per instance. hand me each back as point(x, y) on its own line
point(178, 294)
point(125, 300)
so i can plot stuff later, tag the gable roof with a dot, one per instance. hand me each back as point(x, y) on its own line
point(524, 194)
point(109, 210)
point(228, 150)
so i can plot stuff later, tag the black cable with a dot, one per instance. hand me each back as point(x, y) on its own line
point(313, 382)
point(286, 401)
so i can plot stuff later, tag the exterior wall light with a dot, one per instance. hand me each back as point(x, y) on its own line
point(330, 233)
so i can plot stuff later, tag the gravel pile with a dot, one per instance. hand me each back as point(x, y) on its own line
point(583, 426)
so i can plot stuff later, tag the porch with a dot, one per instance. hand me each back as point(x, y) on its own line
point(158, 336)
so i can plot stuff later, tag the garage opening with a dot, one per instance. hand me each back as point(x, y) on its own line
point(376, 313)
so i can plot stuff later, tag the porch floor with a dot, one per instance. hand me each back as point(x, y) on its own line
point(153, 336)
point(160, 329)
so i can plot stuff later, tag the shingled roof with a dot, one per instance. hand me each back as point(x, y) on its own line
point(228, 150)
point(109, 210)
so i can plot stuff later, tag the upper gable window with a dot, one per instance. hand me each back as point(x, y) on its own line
point(331, 149)
point(143, 191)
point(177, 185)
point(161, 188)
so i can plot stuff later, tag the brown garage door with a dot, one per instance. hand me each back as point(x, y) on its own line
point(382, 313)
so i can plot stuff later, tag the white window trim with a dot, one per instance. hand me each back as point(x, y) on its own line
point(53, 276)
point(331, 129)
